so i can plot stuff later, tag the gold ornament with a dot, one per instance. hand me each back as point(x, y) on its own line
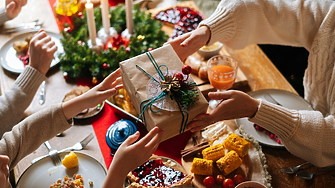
point(94, 80)
point(140, 37)
point(170, 85)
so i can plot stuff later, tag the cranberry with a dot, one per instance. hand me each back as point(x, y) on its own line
point(179, 76)
point(186, 69)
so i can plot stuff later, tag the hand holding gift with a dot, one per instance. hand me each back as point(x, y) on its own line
point(161, 94)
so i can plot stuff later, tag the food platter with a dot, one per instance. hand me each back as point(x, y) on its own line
point(286, 99)
point(244, 170)
point(43, 173)
point(9, 58)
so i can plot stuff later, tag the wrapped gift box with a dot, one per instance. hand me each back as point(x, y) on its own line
point(136, 82)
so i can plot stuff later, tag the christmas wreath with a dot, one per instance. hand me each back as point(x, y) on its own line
point(80, 61)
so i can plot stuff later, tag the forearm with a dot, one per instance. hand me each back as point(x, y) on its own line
point(116, 176)
point(17, 99)
point(30, 133)
point(306, 134)
point(244, 22)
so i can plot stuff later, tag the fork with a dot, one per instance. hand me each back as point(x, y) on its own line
point(269, 98)
point(53, 154)
point(80, 145)
point(77, 146)
point(31, 25)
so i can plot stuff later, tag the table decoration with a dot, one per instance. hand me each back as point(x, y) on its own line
point(79, 60)
point(160, 93)
point(91, 22)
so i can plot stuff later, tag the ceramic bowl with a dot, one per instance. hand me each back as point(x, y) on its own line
point(209, 51)
point(250, 184)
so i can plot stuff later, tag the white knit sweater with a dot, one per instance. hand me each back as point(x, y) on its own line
point(309, 135)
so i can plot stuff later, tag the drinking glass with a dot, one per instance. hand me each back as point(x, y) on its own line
point(222, 71)
point(64, 10)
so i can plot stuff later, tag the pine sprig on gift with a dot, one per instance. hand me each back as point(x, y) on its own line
point(78, 60)
point(186, 95)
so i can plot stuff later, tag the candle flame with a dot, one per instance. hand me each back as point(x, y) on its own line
point(88, 1)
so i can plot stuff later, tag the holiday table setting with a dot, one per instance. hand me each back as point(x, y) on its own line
point(91, 34)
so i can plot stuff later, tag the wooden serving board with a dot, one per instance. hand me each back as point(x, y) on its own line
point(244, 170)
point(241, 80)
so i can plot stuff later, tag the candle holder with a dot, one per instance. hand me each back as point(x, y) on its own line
point(105, 37)
point(97, 47)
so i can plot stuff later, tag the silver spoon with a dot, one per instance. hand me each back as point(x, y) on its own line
point(309, 175)
point(293, 169)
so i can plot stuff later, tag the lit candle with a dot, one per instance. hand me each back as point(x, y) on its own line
point(129, 15)
point(105, 15)
point(91, 21)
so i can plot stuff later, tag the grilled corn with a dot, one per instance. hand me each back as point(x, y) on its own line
point(214, 152)
point(202, 166)
point(238, 144)
point(229, 162)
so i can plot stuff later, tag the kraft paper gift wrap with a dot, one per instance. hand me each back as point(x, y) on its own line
point(135, 82)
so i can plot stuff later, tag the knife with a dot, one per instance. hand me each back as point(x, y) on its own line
point(42, 94)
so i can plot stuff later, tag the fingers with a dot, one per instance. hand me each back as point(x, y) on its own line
point(23, 2)
point(154, 143)
point(131, 139)
point(146, 139)
point(197, 125)
point(223, 95)
point(116, 82)
point(11, 6)
point(112, 78)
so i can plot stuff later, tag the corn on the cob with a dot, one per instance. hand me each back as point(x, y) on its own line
point(202, 166)
point(238, 144)
point(214, 152)
point(229, 162)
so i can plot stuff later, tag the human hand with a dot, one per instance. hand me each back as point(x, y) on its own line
point(13, 7)
point(130, 155)
point(94, 96)
point(188, 43)
point(235, 104)
point(41, 51)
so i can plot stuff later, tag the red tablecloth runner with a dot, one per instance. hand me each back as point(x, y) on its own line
point(170, 148)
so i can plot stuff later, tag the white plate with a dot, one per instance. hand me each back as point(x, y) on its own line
point(43, 173)
point(286, 99)
point(9, 57)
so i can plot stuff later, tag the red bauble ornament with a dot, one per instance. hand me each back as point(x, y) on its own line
point(179, 76)
point(68, 29)
point(79, 42)
point(65, 75)
point(117, 42)
point(186, 69)
point(80, 14)
point(128, 50)
point(150, 49)
point(105, 66)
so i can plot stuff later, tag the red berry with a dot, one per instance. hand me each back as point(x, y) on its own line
point(273, 136)
point(150, 49)
point(68, 29)
point(179, 76)
point(278, 141)
point(128, 50)
point(186, 69)
point(20, 57)
point(105, 66)
point(65, 75)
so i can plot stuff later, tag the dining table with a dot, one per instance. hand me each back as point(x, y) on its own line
point(258, 69)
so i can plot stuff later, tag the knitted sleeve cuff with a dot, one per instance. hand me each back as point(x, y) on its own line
point(226, 23)
point(30, 79)
point(279, 120)
point(3, 15)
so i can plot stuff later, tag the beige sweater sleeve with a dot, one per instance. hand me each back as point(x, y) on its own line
point(3, 16)
point(239, 23)
point(29, 134)
point(17, 99)
point(305, 23)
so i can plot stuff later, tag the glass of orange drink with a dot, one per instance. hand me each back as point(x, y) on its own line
point(222, 71)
